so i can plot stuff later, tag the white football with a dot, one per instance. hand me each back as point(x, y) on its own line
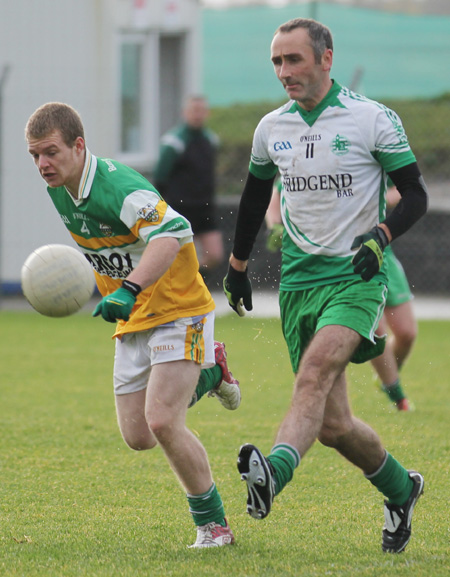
point(57, 280)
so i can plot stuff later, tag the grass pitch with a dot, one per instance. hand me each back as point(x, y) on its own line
point(75, 501)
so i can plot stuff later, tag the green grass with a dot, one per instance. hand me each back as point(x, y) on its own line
point(74, 501)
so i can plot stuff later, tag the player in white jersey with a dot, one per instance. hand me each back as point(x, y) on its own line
point(146, 268)
point(333, 149)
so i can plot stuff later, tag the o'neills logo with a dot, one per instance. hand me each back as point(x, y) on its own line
point(317, 182)
point(163, 348)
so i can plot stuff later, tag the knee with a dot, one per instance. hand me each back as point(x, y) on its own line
point(160, 427)
point(139, 442)
point(137, 435)
point(406, 336)
point(309, 380)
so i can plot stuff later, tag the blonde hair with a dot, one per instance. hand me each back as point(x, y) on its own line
point(55, 116)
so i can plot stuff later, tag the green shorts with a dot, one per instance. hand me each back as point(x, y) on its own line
point(355, 304)
point(398, 286)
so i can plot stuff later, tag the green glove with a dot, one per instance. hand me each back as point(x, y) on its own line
point(274, 240)
point(118, 305)
point(238, 290)
point(369, 258)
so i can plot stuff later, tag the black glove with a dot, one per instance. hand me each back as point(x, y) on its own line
point(369, 258)
point(238, 290)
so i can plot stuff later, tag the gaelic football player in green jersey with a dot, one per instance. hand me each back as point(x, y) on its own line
point(333, 149)
point(146, 269)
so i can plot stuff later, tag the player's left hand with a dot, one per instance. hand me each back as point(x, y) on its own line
point(369, 258)
point(116, 306)
point(238, 290)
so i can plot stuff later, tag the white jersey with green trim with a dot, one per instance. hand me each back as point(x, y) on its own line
point(333, 162)
point(117, 213)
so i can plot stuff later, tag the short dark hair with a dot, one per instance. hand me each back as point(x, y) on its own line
point(55, 116)
point(320, 35)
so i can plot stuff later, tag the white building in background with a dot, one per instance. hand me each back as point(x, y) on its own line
point(125, 65)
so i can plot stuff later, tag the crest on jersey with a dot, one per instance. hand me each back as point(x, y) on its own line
point(198, 327)
point(340, 145)
point(148, 213)
point(105, 229)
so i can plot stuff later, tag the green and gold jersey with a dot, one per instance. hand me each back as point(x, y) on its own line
point(117, 213)
point(333, 162)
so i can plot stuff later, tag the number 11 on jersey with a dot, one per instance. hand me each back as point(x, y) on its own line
point(310, 150)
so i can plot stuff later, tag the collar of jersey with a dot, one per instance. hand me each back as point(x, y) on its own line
point(331, 99)
point(87, 177)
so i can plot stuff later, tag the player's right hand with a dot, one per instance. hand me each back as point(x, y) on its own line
point(238, 290)
point(116, 306)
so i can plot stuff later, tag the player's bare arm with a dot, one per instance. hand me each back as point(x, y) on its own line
point(156, 260)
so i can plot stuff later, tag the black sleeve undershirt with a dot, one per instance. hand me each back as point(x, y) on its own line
point(414, 199)
point(252, 210)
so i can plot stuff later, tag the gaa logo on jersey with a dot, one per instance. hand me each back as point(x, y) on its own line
point(148, 213)
point(282, 146)
point(198, 327)
point(340, 145)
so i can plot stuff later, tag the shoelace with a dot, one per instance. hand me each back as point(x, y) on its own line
point(205, 533)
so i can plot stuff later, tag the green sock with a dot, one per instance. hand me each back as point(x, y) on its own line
point(394, 391)
point(393, 480)
point(207, 508)
point(208, 380)
point(284, 459)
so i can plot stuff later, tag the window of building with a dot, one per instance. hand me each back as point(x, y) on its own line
point(131, 97)
point(137, 132)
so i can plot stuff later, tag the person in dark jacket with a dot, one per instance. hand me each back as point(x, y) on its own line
point(185, 176)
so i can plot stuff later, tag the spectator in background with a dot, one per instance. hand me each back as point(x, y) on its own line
point(185, 176)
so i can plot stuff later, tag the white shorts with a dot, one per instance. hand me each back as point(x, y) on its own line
point(184, 339)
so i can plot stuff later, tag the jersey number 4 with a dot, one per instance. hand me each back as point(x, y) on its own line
point(85, 229)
